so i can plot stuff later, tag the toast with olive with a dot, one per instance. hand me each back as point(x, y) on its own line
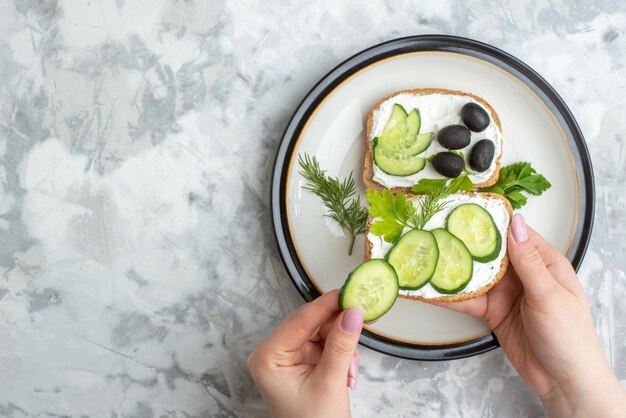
point(431, 133)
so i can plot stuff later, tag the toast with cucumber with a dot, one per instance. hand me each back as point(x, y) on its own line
point(459, 254)
point(431, 133)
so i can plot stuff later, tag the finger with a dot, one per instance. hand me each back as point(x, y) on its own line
point(493, 305)
point(309, 353)
point(528, 264)
point(476, 307)
point(298, 327)
point(326, 327)
point(549, 254)
point(502, 297)
point(353, 370)
point(340, 346)
point(556, 263)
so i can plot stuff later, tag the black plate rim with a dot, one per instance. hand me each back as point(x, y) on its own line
point(400, 46)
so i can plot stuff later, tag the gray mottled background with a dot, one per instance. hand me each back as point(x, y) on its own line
point(136, 142)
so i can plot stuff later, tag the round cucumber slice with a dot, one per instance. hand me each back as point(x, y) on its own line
point(455, 265)
point(373, 286)
point(473, 225)
point(414, 257)
point(398, 164)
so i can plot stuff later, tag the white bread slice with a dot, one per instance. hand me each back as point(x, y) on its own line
point(368, 169)
point(500, 209)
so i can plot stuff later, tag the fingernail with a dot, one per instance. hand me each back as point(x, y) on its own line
point(352, 320)
point(353, 371)
point(518, 228)
point(352, 383)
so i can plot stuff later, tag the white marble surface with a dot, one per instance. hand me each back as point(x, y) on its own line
point(136, 144)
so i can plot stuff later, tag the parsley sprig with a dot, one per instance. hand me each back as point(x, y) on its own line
point(517, 179)
point(339, 197)
point(393, 213)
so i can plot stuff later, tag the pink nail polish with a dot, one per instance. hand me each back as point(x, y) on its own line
point(352, 320)
point(519, 229)
point(352, 383)
point(353, 371)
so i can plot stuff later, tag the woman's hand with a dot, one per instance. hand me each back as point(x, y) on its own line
point(541, 317)
point(305, 367)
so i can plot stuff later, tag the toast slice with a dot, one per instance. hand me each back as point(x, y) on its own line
point(370, 171)
point(485, 275)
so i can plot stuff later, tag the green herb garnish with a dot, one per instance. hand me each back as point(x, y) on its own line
point(516, 179)
point(429, 186)
point(394, 213)
point(339, 197)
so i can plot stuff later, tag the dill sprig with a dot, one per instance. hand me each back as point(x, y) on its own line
point(428, 206)
point(339, 197)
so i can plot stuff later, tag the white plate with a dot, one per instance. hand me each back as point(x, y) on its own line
point(330, 125)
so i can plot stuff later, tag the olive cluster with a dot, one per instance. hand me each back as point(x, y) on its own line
point(456, 137)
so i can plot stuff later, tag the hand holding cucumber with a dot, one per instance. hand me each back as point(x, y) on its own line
point(305, 367)
point(538, 311)
point(540, 315)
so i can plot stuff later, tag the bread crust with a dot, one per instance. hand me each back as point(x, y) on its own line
point(368, 166)
point(462, 295)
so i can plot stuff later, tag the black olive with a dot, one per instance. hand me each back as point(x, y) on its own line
point(448, 164)
point(454, 137)
point(475, 117)
point(481, 155)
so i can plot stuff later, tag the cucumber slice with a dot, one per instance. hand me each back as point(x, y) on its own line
point(414, 257)
point(408, 145)
point(454, 267)
point(397, 164)
point(400, 135)
point(401, 131)
point(398, 114)
point(373, 286)
point(473, 225)
point(396, 126)
point(423, 141)
point(413, 123)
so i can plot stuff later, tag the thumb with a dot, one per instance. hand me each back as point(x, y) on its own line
point(527, 261)
point(340, 346)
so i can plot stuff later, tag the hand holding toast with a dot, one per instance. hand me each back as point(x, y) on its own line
point(305, 367)
point(541, 317)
